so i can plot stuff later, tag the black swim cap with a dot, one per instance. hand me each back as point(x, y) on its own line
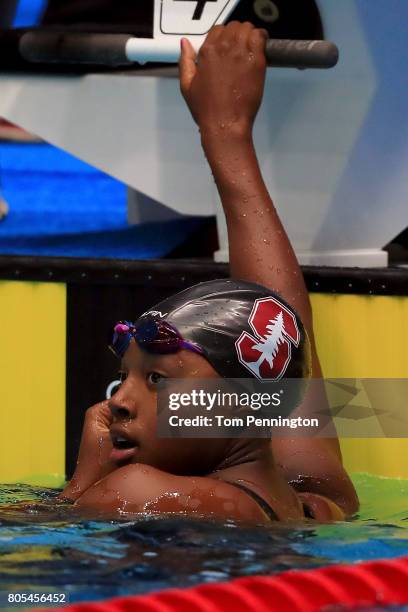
point(244, 329)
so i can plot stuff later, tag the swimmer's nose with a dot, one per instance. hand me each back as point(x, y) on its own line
point(119, 412)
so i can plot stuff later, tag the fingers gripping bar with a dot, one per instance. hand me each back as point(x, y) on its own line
point(114, 50)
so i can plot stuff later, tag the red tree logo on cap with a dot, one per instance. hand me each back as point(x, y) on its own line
point(267, 355)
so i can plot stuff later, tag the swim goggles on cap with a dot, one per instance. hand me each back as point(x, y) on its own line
point(152, 335)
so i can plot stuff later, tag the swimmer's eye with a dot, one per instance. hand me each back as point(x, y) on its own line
point(154, 378)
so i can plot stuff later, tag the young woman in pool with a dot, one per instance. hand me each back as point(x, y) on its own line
point(122, 465)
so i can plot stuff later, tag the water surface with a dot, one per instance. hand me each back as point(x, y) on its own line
point(49, 548)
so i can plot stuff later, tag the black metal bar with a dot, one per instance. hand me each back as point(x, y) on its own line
point(75, 48)
point(301, 53)
point(181, 273)
point(108, 49)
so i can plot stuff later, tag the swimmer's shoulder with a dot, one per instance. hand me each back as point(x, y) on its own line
point(138, 488)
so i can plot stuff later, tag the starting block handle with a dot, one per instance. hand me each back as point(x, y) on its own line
point(301, 53)
point(113, 50)
point(41, 47)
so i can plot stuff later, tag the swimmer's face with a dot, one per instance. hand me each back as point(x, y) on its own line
point(134, 409)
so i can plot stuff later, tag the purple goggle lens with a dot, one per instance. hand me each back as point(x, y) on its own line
point(152, 335)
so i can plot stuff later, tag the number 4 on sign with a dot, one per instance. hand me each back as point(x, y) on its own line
point(188, 18)
point(200, 6)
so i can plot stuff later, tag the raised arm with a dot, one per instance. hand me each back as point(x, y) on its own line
point(223, 88)
point(224, 91)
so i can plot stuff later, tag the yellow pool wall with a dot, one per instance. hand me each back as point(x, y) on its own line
point(365, 337)
point(32, 382)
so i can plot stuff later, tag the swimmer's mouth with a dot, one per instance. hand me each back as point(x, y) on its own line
point(123, 448)
point(122, 443)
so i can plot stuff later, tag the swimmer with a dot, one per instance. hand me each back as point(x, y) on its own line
point(123, 467)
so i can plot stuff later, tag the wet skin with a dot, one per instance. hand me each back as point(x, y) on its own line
point(223, 89)
point(180, 475)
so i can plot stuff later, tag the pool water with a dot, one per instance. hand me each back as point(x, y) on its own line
point(47, 548)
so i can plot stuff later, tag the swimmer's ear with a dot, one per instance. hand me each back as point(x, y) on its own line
point(187, 65)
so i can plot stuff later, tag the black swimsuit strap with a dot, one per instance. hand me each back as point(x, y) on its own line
point(269, 511)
